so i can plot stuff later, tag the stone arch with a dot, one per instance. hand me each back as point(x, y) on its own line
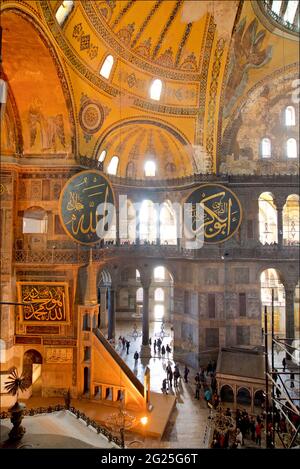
point(259, 397)
point(243, 396)
point(30, 358)
point(270, 280)
point(226, 393)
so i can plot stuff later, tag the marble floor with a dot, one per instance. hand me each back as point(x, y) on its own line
point(187, 427)
point(56, 430)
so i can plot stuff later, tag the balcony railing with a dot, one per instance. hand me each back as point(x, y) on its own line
point(82, 256)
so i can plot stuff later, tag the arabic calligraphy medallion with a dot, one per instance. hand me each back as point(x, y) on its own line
point(222, 212)
point(78, 203)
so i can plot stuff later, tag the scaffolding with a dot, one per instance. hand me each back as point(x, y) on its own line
point(282, 401)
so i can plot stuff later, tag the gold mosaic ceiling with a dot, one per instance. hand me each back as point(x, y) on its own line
point(167, 33)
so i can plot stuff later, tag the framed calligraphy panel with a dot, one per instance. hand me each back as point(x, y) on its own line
point(222, 213)
point(78, 203)
point(48, 302)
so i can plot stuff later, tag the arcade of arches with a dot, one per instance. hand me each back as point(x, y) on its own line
point(157, 98)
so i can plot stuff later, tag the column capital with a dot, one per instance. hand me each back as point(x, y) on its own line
point(145, 280)
point(290, 285)
point(279, 201)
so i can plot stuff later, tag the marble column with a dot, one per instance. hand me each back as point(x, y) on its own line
point(111, 313)
point(158, 228)
point(289, 314)
point(145, 349)
point(118, 227)
point(103, 308)
point(146, 315)
point(279, 225)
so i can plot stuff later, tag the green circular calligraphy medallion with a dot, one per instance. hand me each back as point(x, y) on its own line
point(78, 203)
point(222, 213)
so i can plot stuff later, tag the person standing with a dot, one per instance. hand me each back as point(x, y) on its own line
point(163, 351)
point(127, 346)
point(186, 374)
point(239, 438)
point(197, 392)
point(164, 386)
point(292, 377)
point(154, 345)
point(136, 356)
point(258, 428)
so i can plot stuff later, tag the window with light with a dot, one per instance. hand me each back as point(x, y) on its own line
point(63, 11)
point(107, 66)
point(155, 89)
point(113, 166)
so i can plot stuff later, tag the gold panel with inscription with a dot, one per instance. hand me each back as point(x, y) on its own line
point(48, 302)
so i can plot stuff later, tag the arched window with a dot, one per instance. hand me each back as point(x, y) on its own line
point(63, 11)
point(35, 220)
point(266, 148)
point(291, 220)
point(270, 280)
point(107, 66)
point(155, 89)
point(267, 219)
point(276, 5)
point(290, 116)
point(148, 222)
point(291, 148)
point(139, 295)
point(168, 229)
point(159, 273)
point(113, 165)
point(102, 156)
point(150, 168)
point(159, 312)
point(159, 294)
point(291, 11)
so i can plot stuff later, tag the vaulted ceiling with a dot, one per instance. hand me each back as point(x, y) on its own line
point(208, 54)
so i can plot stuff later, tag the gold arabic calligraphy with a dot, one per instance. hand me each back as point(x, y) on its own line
point(218, 215)
point(84, 218)
point(46, 304)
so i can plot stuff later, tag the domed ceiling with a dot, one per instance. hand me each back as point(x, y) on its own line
point(207, 54)
point(143, 140)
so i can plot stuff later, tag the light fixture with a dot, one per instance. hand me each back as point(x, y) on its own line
point(144, 420)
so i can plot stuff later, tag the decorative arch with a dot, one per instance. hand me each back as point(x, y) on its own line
point(30, 358)
point(61, 72)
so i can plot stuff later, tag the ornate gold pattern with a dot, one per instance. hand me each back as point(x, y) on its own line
point(48, 302)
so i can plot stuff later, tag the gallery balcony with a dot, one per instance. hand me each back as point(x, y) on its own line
point(81, 255)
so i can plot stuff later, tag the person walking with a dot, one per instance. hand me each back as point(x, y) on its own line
point(154, 345)
point(163, 351)
point(186, 374)
point(292, 377)
point(123, 342)
point(176, 376)
point(136, 356)
point(127, 346)
point(284, 363)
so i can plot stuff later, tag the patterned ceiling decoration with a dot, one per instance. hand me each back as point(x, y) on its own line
point(139, 140)
point(174, 42)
